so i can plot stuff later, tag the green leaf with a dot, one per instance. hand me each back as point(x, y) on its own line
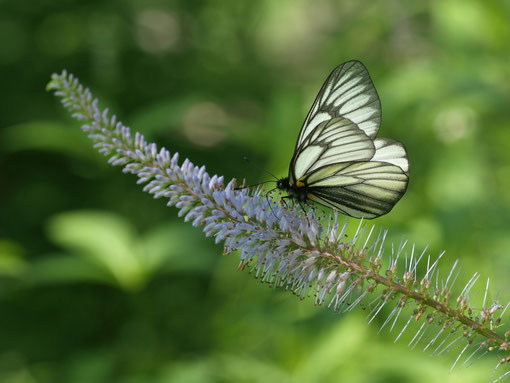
point(103, 238)
point(47, 136)
point(105, 247)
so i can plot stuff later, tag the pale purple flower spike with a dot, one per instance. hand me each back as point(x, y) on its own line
point(298, 251)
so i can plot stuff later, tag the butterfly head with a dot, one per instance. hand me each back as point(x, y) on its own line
point(283, 184)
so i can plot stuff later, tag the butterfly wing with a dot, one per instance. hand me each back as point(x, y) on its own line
point(337, 157)
point(359, 189)
point(394, 152)
point(348, 92)
point(332, 141)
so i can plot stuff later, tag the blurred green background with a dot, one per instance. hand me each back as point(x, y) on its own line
point(101, 283)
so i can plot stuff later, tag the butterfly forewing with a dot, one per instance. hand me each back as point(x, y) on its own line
point(350, 93)
point(332, 141)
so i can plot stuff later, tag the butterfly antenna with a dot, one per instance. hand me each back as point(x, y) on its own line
point(252, 185)
point(260, 168)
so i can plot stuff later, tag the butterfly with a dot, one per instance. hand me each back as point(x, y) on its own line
point(338, 162)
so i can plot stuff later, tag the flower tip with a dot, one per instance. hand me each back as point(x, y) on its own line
point(53, 84)
point(56, 80)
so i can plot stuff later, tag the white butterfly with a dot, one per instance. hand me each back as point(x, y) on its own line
point(338, 162)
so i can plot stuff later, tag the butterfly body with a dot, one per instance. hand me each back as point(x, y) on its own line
point(297, 191)
point(338, 162)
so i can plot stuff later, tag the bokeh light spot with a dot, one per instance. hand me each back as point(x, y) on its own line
point(205, 123)
point(455, 123)
point(157, 31)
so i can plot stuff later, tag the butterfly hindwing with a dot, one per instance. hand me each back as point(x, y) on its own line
point(394, 152)
point(360, 189)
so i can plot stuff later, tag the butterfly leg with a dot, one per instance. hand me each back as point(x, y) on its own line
point(284, 201)
point(269, 204)
point(267, 198)
point(313, 207)
point(303, 206)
